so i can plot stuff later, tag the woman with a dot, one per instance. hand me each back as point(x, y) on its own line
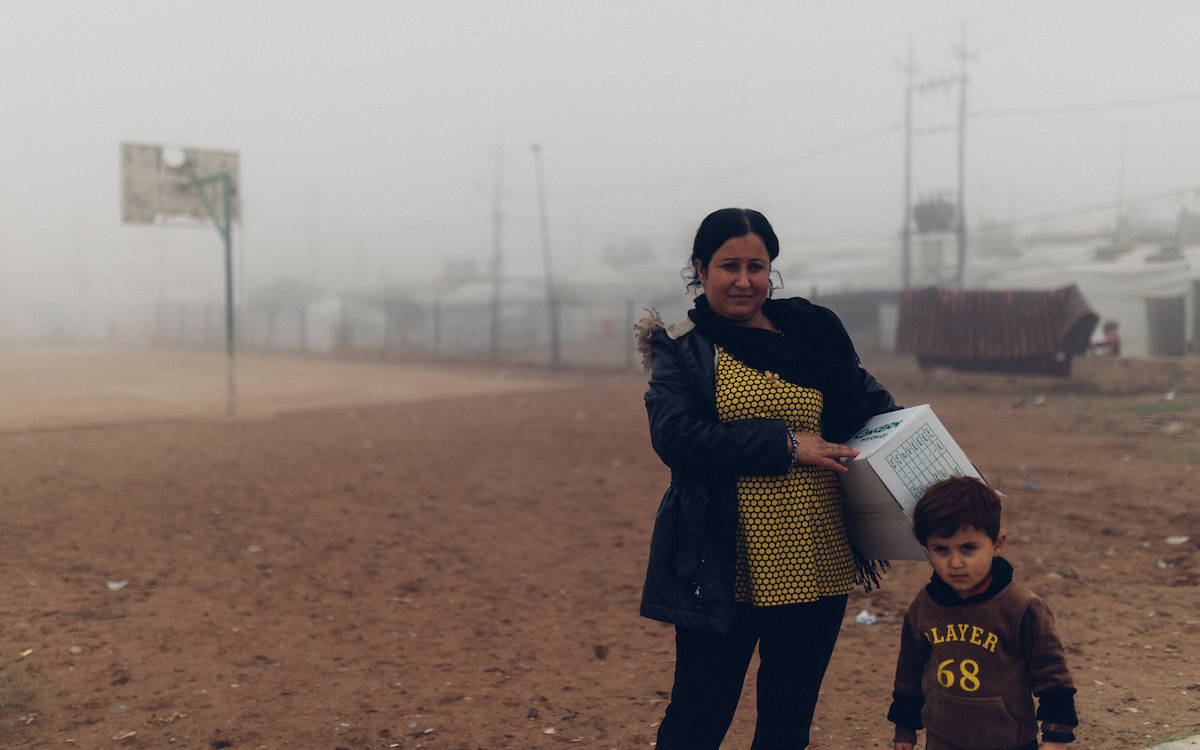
point(749, 400)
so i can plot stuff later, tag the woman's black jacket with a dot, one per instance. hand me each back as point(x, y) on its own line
point(689, 580)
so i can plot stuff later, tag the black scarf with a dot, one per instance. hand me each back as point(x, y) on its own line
point(814, 352)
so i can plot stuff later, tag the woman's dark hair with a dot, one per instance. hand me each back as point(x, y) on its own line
point(954, 504)
point(721, 226)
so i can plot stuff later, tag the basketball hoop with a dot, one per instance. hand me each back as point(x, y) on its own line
point(159, 183)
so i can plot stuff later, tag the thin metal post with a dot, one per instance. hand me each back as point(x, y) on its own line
point(225, 229)
point(227, 234)
point(629, 334)
point(303, 309)
point(387, 328)
point(906, 233)
point(551, 297)
point(1121, 237)
point(437, 324)
point(497, 257)
point(963, 55)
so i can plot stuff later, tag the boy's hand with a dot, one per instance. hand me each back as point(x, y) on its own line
point(1054, 746)
point(904, 746)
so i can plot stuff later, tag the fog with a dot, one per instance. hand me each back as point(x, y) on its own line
point(371, 135)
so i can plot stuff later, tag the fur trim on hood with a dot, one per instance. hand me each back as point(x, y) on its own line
point(652, 324)
point(647, 327)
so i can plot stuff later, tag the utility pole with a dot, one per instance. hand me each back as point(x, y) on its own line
point(943, 84)
point(551, 298)
point(497, 234)
point(963, 55)
point(909, 69)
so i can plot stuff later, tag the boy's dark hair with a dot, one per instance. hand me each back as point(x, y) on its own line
point(952, 504)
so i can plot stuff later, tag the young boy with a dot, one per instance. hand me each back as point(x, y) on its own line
point(977, 647)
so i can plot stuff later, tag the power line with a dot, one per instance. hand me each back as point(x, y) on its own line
point(871, 135)
point(760, 166)
point(1077, 108)
point(1097, 207)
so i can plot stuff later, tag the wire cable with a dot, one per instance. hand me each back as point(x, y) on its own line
point(1067, 109)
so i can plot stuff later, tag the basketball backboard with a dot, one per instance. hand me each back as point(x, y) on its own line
point(153, 180)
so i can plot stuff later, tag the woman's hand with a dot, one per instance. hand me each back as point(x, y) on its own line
point(812, 450)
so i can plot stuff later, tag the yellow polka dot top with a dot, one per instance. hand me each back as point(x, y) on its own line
point(791, 539)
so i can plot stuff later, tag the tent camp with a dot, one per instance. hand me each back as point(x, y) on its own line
point(1028, 332)
point(1150, 290)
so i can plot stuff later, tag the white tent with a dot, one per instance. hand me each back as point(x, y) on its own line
point(1144, 291)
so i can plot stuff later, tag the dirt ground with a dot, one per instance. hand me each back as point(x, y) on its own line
point(464, 573)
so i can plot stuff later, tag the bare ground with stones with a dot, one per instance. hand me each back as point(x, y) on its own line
point(464, 573)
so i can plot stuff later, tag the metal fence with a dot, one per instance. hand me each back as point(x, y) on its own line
point(595, 332)
point(592, 334)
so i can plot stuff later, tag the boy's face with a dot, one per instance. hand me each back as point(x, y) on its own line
point(964, 561)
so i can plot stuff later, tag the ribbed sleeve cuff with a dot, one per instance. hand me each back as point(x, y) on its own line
point(906, 710)
point(1056, 707)
point(1057, 732)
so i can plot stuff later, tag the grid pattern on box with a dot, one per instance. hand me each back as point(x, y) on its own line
point(922, 460)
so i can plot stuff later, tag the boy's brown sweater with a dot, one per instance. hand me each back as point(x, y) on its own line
point(968, 668)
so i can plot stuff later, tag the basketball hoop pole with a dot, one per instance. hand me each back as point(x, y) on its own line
point(225, 229)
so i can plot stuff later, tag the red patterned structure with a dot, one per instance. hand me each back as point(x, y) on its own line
point(1027, 332)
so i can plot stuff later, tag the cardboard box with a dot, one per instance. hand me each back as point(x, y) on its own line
point(901, 454)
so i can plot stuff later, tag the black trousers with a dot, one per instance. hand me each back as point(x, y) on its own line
point(794, 643)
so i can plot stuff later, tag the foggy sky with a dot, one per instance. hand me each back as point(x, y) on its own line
point(369, 131)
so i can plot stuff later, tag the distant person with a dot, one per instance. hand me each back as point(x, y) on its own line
point(976, 648)
point(749, 401)
point(1110, 344)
